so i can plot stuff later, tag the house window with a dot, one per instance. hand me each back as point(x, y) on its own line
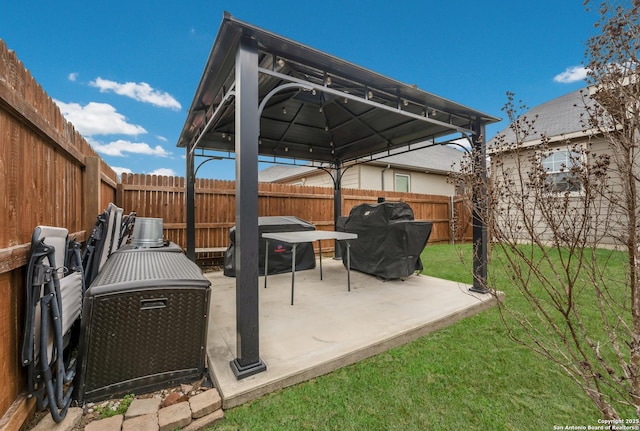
point(402, 183)
point(561, 168)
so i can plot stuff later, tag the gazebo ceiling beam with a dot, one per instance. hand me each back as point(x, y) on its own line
point(349, 96)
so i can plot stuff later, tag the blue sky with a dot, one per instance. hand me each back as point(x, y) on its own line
point(125, 72)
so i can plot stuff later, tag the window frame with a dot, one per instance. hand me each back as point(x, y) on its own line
point(567, 149)
point(395, 182)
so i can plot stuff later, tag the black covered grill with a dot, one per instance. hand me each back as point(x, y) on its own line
point(280, 253)
point(144, 324)
point(389, 239)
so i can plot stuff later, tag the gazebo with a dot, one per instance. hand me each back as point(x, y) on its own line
point(262, 96)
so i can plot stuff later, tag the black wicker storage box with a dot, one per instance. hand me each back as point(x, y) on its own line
point(144, 325)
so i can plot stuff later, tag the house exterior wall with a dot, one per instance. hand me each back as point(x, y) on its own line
point(432, 184)
point(371, 178)
point(351, 178)
point(606, 222)
point(375, 177)
point(317, 178)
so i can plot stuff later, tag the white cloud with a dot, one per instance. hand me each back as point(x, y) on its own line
point(165, 172)
point(98, 119)
point(571, 74)
point(73, 76)
point(119, 170)
point(140, 91)
point(162, 138)
point(120, 147)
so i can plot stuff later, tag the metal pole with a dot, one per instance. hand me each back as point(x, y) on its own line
point(480, 245)
point(452, 224)
point(248, 360)
point(337, 207)
point(191, 202)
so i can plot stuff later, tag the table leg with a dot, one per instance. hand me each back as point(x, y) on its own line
point(293, 271)
point(266, 261)
point(320, 248)
point(348, 267)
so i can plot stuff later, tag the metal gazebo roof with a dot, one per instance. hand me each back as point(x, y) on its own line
point(315, 106)
point(262, 95)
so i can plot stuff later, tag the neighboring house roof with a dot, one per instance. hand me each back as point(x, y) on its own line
point(279, 172)
point(561, 117)
point(439, 159)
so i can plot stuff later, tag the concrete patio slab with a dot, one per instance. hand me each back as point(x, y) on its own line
point(328, 327)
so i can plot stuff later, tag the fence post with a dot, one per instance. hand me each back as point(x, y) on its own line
point(120, 194)
point(452, 221)
point(91, 198)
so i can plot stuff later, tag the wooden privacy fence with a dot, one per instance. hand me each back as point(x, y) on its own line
point(49, 175)
point(164, 197)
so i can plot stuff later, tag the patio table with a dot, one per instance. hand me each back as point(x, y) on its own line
point(295, 238)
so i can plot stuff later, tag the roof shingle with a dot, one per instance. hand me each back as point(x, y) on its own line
point(555, 118)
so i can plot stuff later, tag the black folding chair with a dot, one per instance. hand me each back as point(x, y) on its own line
point(110, 232)
point(54, 288)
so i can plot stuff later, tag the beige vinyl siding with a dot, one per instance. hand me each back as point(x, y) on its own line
point(317, 178)
point(431, 184)
point(609, 222)
point(379, 177)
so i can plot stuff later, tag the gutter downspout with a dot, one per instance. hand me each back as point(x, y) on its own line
point(382, 175)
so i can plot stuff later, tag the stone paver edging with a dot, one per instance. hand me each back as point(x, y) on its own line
point(146, 414)
point(191, 413)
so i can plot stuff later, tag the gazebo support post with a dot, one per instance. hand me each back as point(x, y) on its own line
point(247, 126)
point(480, 240)
point(337, 206)
point(191, 198)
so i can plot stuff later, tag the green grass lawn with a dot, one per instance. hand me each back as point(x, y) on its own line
point(467, 376)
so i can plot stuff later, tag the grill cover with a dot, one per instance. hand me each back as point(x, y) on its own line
point(280, 253)
point(144, 324)
point(389, 239)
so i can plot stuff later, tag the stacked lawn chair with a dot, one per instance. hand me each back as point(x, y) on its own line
point(57, 277)
point(110, 232)
point(54, 289)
